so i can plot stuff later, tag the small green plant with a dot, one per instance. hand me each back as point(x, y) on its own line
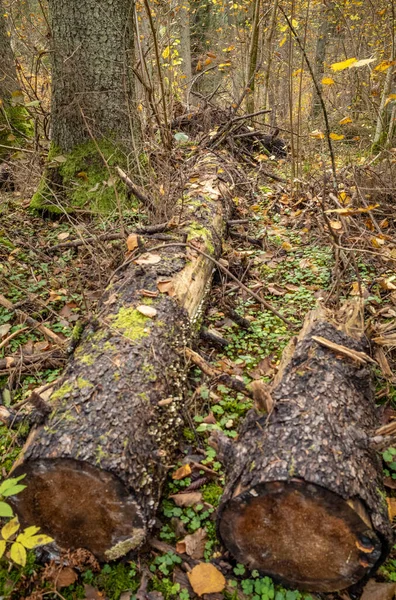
point(389, 457)
point(18, 543)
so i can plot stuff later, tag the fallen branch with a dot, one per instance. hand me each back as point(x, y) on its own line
point(136, 191)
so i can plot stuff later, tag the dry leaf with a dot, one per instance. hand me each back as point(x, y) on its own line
point(64, 235)
point(92, 593)
point(182, 472)
point(66, 577)
point(374, 590)
point(188, 499)
point(275, 290)
point(336, 225)
point(148, 259)
point(391, 508)
point(166, 286)
point(147, 311)
point(4, 329)
point(194, 544)
point(148, 293)
point(132, 242)
point(206, 579)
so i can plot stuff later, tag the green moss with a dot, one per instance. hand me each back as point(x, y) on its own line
point(212, 493)
point(87, 359)
point(82, 178)
point(131, 323)
point(66, 388)
point(83, 383)
point(15, 126)
point(196, 230)
point(108, 346)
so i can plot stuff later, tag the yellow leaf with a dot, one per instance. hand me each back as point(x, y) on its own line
point(286, 246)
point(166, 52)
point(211, 55)
point(347, 212)
point(33, 541)
point(297, 72)
point(199, 66)
point(345, 64)
point(336, 136)
point(206, 579)
point(229, 49)
point(18, 554)
point(132, 242)
point(328, 81)
point(377, 242)
point(318, 135)
point(10, 528)
point(226, 64)
point(182, 472)
point(345, 120)
point(207, 62)
point(2, 547)
point(384, 65)
point(283, 41)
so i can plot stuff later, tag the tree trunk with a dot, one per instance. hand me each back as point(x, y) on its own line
point(94, 472)
point(304, 499)
point(185, 42)
point(92, 50)
point(253, 53)
point(325, 30)
point(10, 111)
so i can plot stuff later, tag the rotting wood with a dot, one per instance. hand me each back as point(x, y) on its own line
point(304, 500)
point(94, 472)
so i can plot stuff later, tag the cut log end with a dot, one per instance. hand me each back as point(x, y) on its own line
point(300, 534)
point(80, 506)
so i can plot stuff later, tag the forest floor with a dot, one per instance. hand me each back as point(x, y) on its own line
point(291, 259)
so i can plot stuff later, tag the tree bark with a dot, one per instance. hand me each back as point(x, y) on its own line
point(94, 472)
point(92, 50)
point(304, 499)
point(253, 53)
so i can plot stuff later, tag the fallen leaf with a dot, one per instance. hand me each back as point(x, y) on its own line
point(345, 120)
point(147, 311)
point(384, 65)
point(328, 81)
point(148, 293)
point(336, 225)
point(194, 544)
point(64, 235)
point(275, 290)
point(92, 593)
point(391, 508)
point(132, 242)
point(187, 500)
point(336, 137)
point(318, 135)
point(345, 64)
point(4, 329)
point(374, 590)
point(148, 259)
point(166, 286)
point(206, 579)
point(42, 346)
point(66, 577)
point(182, 472)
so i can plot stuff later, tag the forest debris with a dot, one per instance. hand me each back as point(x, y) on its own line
point(166, 286)
point(182, 472)
point(187, 499)
point(374, 590)
point(206, 579)
point(148, 259)
point(193, 544)
point(360, 357)
point(32, 322)
point(391, 507)
point(136, 191)
point(147, 311)
point(132, 241)
point(262, 398)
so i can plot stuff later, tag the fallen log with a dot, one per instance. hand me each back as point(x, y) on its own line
point(304, 500)
point(94, 472)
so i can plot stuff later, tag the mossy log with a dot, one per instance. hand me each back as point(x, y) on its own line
point(304, 499)
point(95, 470)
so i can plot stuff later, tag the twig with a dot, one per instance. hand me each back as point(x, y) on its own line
point(360, 357)
point(134, 189)
point(12, 336)
point(249, 116)
point(32, 322)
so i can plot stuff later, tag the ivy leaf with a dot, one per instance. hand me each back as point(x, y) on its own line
point(10, 528)
point(18, 554)
point(5, 510)
point(32, 541)
point(8, 484)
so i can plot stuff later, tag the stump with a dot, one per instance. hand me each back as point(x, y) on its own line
point(304, 501)
point(95, 470)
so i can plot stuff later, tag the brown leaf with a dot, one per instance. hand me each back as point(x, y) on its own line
point(206, 579)
point(182, 472)
point(374, 590)
point(194, 544)
point(147, 311)
point(92, 593)
point(42, 346)
point(166, 287)
point(148, 259)
point(276, 290)
point(391, 508)
point(210, 419)
point(148, 293)
point(188, 499)
point(132, 242)
point(63, 236)
point(4, 329)
point(66, 577)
